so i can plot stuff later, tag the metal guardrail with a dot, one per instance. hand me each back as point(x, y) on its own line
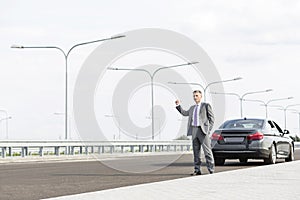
point(41, 148)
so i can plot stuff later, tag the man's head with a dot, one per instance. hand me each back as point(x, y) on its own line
point(197, 96)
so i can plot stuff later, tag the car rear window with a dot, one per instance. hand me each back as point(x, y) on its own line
point(244, 123)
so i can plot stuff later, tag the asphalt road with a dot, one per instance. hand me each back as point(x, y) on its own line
point(51, 179)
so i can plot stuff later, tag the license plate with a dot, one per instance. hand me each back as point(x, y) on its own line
point(234, 139)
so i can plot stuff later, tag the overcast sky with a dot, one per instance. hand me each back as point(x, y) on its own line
point(257, 40)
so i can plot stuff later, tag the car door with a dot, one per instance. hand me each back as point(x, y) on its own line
point(283, 145)
point(271, 133)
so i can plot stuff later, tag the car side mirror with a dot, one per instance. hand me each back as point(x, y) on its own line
point(286, 132)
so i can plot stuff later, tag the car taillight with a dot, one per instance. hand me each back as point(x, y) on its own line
point(255, 136)
point(217, 136)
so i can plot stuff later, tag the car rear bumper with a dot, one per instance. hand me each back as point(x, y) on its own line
point(236, 154)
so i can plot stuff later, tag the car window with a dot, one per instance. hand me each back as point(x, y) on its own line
point(271, 127)
point(278, 127)
point(244, 123)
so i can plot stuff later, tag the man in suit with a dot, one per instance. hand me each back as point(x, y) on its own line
point(200, 123)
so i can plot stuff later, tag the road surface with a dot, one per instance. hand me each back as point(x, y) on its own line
point(34, 180)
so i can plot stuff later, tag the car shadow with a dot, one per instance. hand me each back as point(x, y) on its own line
point(249, 163)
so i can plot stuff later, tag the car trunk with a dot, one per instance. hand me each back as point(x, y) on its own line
point(235, 138)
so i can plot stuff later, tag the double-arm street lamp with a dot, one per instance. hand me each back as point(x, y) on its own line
point(152, 75)
point(268, 102)
point(285, 109)
point(241, 97)
point(66, 55)
point(208, 85)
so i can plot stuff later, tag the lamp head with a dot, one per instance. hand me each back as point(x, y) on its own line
point(238, 78)
point(117, 36)
point(15, 46)
point(192, 63)
point(170, 82)
point(112, 68)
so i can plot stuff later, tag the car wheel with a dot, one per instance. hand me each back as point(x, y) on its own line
point(291, 155)
point(243, 160)
point(272, 155)
point(219, 161)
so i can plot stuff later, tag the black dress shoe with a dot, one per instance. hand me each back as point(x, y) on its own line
point(211, 172)
point(196, 173)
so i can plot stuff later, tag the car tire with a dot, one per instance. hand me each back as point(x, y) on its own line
point(219, 161)
point(291, 155)
point(243, 160)
point(272, 155)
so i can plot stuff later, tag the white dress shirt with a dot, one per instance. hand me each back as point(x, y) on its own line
point(197, 115)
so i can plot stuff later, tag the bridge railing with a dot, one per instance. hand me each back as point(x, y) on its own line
point(41, 148)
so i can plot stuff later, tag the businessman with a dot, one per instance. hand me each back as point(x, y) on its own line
point(200, 123)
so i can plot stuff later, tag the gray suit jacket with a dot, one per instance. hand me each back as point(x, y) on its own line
point(206, 117)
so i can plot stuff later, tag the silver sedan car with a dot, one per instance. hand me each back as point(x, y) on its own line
point(245, 139)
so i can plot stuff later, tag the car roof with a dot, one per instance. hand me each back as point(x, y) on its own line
point(245, 118)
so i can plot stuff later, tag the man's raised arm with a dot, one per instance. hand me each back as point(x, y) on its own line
point(179, 108)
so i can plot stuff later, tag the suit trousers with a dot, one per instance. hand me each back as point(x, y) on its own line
point(202, 140)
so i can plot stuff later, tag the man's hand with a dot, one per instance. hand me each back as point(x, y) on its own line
point(177, 102)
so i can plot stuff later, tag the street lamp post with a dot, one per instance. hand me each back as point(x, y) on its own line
point(6, 116)
point(66, 55)
point(208, 85)
point(159, 126)
point(152, 75)
point(241, 97)
point(69, 127)
point(268, 102)
point(249, 93)
point(285, 109)
point(119, 121)
point(6, 119)
point(298, 113)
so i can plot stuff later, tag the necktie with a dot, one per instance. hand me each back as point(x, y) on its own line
point(195, 116)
